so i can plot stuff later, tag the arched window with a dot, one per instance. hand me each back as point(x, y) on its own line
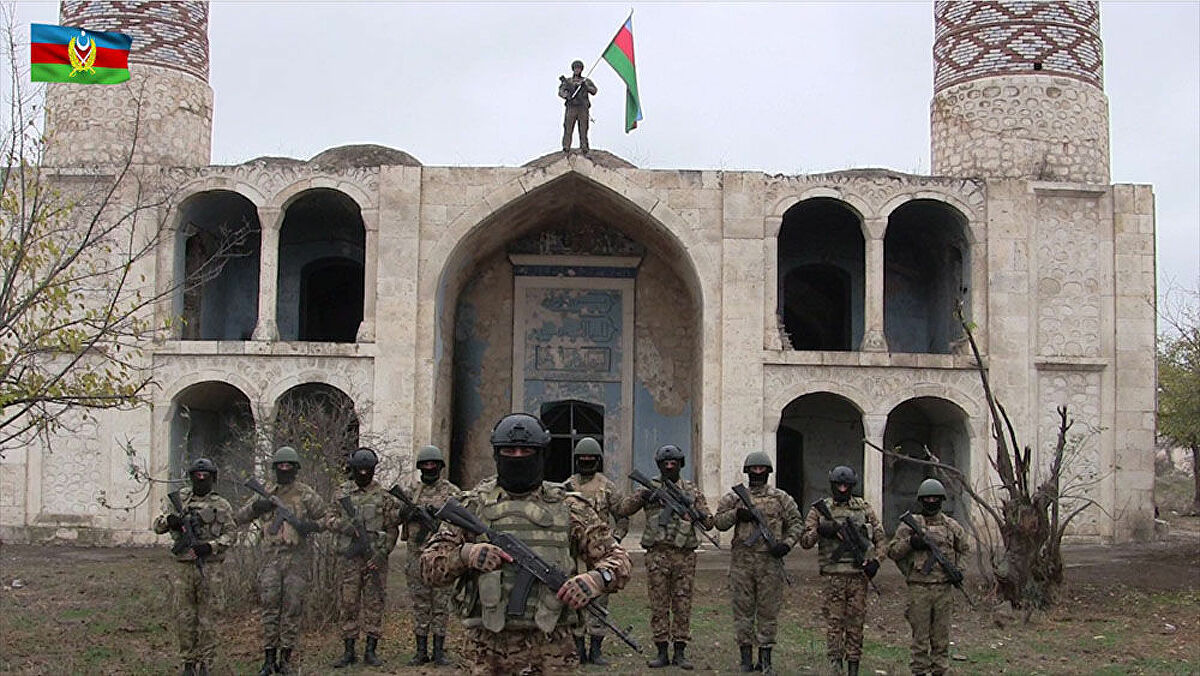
point(569, 421)
point(926, 263)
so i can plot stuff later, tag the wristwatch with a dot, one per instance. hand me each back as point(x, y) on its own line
point(606, 575)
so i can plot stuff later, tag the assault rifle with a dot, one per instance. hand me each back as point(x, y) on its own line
point(530, 567)
point(428, 523)
point(362, 545)
point(953, 572)
point(675, 502)
point(282, 512)
point(851, 541)
point(187, 531)
point(761, 530)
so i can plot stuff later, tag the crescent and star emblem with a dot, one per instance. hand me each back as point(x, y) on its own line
point(82, 53)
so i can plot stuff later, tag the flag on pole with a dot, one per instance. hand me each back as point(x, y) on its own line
point(62, 54)
point(619, 55)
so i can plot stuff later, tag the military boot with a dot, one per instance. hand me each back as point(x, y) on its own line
point(680, 659)
point(189, 669)
point(369, 657)
point(581, 650)
point(268, 666)
point(663, 659)
point(764, 660)
point(439, 651)
point(851, 668)
point(348, 656)
point(422, 654)
point(747, 664)
point(284, 665)
point(594, 655)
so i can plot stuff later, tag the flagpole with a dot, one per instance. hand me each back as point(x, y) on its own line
point(601, 57)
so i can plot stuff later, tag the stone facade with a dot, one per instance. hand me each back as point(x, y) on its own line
point(1056, 271)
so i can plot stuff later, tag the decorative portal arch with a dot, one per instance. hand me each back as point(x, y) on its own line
point(927, 268)
point(820, 269)
point(217, 247)
point(322, 244)
point(319, 421)
point(214, 420)
point(569, 291)
point(924, 423)
point(816, 433)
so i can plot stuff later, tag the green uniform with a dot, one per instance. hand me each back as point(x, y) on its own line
point(845, 597)
point(364, 578)
point(561, 527)
point(574, 91)
point(930, 604)
point(604, 496)
point(192, 594)
point(431, 605)
point(755, 576)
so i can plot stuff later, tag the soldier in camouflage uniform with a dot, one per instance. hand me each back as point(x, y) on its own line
point(431, 605)
point(363, 573)
point(930, 606)
point(574, 91)
point(670, 558)
point(756, 573)
point(283, 579)
point(845, 602)
point(562, 527)
point(589, 480)
point(209, 519)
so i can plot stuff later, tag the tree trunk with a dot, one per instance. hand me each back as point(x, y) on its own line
point(1196, 478)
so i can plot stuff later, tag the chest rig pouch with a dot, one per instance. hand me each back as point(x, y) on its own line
point(506, 597)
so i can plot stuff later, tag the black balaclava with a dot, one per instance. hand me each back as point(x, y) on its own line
point(363, 476)
point(519, 475)
point(430, 477)
point(839, 495)
point(286, 477)
point(758, 479)
point(587, 465)
point(202, 486)
point(931, 505)
point(673, 474)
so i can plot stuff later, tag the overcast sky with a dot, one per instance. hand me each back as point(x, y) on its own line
point(782, 88)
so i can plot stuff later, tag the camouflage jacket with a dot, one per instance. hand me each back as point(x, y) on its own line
point(604, 496)
point(376, 511)
point(575, 91)
point(866, 524)
point(213, 519)
point(301, 499)
point(777, 507)
point(942, 531)
point(587, 538)
point(425, 495)
point(678, 531)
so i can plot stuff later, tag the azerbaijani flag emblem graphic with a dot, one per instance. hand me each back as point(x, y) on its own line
point(62, 54)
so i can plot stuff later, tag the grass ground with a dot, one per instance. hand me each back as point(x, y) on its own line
point(1131, 609)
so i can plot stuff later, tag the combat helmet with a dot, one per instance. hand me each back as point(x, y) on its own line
point(203, 465)
point(757, 459)
point(931, 488)
point(362, 458)
point(520, 429)
point(428, 453)
point(587, 446)
point(576, 64)
point(669, 452)
point(843, 475)
point(286, 454)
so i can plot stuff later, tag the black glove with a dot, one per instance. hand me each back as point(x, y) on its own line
point(871, 567)
point(262, 506)
point(917, 542)
point(780, 549)
point(744, 515)
point(432, 510)
point(828, 529)
point(174, 522)
point(308, 528)
point(647, 497)
point(201, 549)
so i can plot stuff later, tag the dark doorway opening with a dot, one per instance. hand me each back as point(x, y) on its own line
point(789, 472)
point(331, 300)
point(816, 308)
point(569, 421)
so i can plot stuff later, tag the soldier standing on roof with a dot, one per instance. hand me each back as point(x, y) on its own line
point(574, 91)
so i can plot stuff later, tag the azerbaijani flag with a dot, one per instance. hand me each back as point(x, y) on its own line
point(62, 54)
point(619, 55)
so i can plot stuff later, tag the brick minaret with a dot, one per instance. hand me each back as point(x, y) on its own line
point(167, 95)
point(1018, 91)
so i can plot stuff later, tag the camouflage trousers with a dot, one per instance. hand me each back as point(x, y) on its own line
point(192, 601)
point(363, 595)
point(282, 583)
point(519, 651)
point(670, 572)
point(588, 624)
point(430, 605)
point(576, 115)
point(930, 607)
point(756, 579)
point(845, 609)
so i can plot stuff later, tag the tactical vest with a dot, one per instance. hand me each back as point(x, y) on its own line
point(856, 511)
point(544, 525)
point(678, 532)
point(204, 519)
point(368, 509)
point(941, 533)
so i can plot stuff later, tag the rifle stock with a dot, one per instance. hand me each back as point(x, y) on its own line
point(532, 567)
point(187, 535)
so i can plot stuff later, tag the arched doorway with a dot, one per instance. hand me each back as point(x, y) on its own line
point(213, 420)
point(926, 263)
point(320, 422)
point(924, 423)
point(816, 433)
point(217, 250)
